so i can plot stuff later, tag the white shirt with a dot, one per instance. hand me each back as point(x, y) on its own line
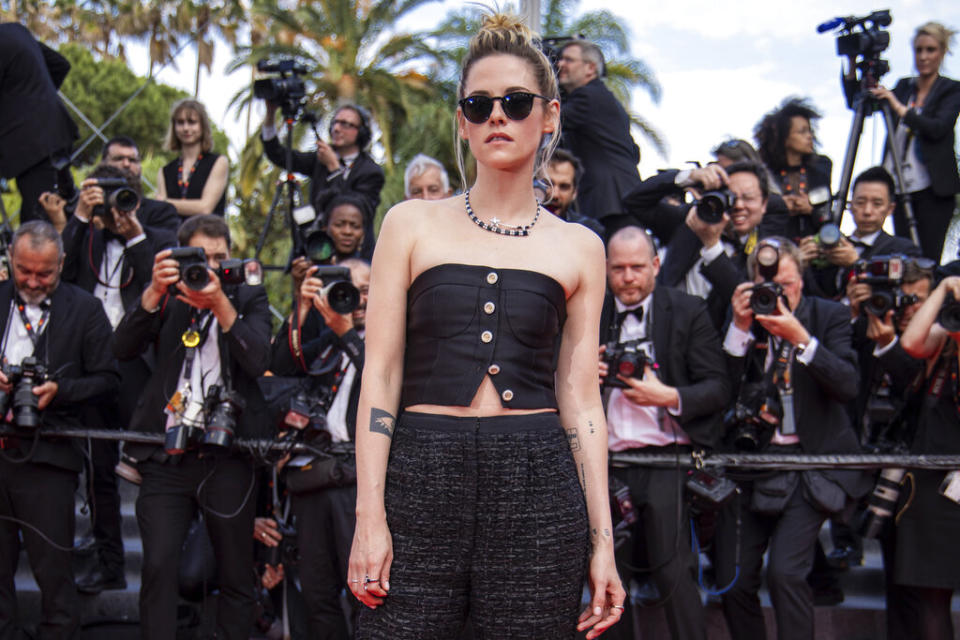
point(18, 343)
point(206, 366)
point(111, 272)
point(629, 425)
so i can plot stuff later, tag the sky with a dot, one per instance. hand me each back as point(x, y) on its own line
point(721, 65)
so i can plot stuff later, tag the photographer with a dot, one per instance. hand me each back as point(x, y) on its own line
point(115, 264)
point(872, 201)
point(214, 338)
point(671, 405)
point(795, 370)
point(325, 517)
point(56, 328)
point(341, 165)
point(704, 258)
point(565, 172)
point(596, 129)
point(926, 564)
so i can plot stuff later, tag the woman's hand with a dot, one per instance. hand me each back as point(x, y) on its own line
point(882, 93)
point(608, 598)
point(371, 555)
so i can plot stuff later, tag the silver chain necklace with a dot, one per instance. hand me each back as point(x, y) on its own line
point(495, 226)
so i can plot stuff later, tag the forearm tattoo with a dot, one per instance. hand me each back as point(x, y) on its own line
point(381, 422)
point(573, 438)
point(592, 429)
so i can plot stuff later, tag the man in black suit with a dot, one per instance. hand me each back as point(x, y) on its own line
point(212, 337)
point(115, 264)
point(565, 172)
point(701, 258)
point(671, 407)
point(342, 165)
point(331, 357)
point(35, 127)
point(64, 329)
point(596, 129)
point(811, 338)
point(872, 201)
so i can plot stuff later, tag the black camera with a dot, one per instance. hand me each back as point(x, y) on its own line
point(829, 236)
point(286, 551)
point(629, 359)
point(21, 400)
point(285, 89)
point(755, 416)
point(318, 247)
point(713, 204)
point(117, 194)
point(232, 271)
point(764, 296)
point(870, 41)
point(949, 315)
point(306, 413)
point(223, 408)
point(882, 503)
point(338, 288)
point(884, 274)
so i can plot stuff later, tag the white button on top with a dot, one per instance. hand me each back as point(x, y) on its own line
point(486, 336)
point(492, 277)
point(489, 307)
point(493, 369)
point(507, 395)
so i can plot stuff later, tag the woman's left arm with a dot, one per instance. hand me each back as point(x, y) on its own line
point(213, 190)
point(581, 414)
point(937, 121)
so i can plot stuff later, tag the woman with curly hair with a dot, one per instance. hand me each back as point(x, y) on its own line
point(482, 476)
point(786, 141)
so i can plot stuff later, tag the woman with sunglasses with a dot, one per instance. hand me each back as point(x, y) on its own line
point(481, 440)
point(925, 109)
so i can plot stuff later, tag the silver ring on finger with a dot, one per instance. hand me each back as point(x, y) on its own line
point(617, 606)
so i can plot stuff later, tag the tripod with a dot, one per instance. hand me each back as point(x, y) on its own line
point(288, 191)
point(864, 104)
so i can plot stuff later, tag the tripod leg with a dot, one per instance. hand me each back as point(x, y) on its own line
point(898, 174)
point(853, 142)
point(266, 225)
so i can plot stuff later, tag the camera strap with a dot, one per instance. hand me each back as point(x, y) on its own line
point(33, 333)
point(780, 375)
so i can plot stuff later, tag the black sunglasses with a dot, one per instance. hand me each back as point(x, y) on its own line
point(516, 106)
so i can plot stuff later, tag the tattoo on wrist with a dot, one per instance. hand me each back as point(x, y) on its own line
point(574, 440)
point(590, 424)
point(381, 422)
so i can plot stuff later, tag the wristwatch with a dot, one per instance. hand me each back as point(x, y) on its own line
point(801, 348)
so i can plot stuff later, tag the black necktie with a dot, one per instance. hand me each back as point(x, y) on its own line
point(636, 313)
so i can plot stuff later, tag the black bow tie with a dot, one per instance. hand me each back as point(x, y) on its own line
point(110, 235)
point(636, 313)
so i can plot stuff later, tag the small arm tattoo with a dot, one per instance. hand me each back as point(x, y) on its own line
point(583, 477)
point(381, 422)
point(574, 440)
point(590, 424)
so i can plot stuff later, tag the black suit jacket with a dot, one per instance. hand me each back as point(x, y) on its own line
point(248, 343)
point(321, 348)
point(596, 129)
point(34, 124)
point(823, 282)
point(76, 349)
point(84, 246)
point(934, 128)
point(365, 179)
point(689, 356)
point(822, 389)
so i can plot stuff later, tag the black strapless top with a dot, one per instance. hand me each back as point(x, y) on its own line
point(468, 321)
point(196, 181)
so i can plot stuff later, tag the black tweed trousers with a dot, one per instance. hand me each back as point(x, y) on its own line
point(488, 521)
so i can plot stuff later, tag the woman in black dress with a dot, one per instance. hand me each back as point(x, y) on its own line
point(925, 109)
point(196, 182)
point(487, 494)
point(926, 559)
point(786, 142)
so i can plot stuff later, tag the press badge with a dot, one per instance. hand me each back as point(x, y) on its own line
point(950, 487)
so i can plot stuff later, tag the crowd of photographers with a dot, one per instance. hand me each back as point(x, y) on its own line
point(738, 318)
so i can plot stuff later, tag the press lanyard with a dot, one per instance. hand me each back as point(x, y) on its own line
point(33, 334)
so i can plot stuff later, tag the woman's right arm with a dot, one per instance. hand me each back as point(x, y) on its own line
point(923, 337)
point(372, 551)
point(161, 186)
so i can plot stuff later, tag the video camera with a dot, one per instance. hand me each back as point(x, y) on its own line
point(285, 88)
point(211, 421)
point(232, 271)
point(764, 296)
point(862, 37)
point(884, 274)
point(117, 194)
point(21, 400)
point(629, 359)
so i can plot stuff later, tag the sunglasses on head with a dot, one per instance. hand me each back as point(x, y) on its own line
point(516, 106)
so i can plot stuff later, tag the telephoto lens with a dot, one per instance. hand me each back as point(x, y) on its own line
point(949, 316)
point(882, 503)
point(222, 424)
point(829, 236)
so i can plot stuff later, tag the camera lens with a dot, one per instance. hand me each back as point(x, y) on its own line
point(195, 276)
point(763, 300)
point(318, 246)
point(879, 303)
point(829, 235)
point(713, 204)
point(949, 316)
point(342, 296)
point(124, 199)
